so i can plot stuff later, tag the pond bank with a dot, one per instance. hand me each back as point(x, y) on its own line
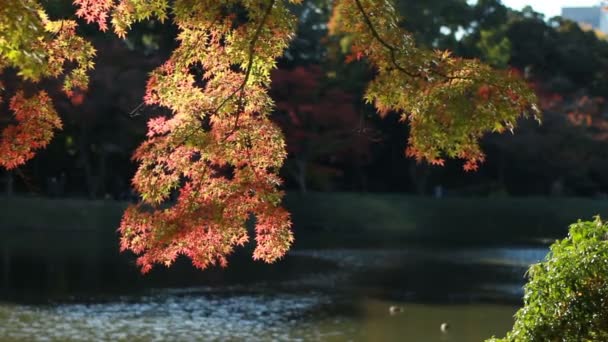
point(379, 217)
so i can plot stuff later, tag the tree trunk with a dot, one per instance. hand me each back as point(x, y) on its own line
point(501, 171)
point(361, 177)
point(85, 160)
point(419, 175)
point(6, 268)
point(301, 175)
point(10, 183)
point(101, 177)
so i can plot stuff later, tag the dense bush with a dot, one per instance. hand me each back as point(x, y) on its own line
point(565, 298)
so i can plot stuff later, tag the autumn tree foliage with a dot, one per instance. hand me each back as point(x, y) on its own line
point(36, 48)
point(321, 123)
point(212, 165)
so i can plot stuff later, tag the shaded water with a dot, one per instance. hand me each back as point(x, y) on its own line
point(326, 295)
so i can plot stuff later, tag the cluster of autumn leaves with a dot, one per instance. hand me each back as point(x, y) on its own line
point(212, 165)
point(37, 48)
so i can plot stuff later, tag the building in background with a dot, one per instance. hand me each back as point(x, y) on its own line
point(596, 17)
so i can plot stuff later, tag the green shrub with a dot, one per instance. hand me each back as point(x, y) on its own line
point(566, 298)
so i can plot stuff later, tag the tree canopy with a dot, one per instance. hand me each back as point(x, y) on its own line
point(210, 163)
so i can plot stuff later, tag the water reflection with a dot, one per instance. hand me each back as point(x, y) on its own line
point(312, 295)
point(208, 316)
point(163, 316)
point(437, 274)
point(374, 258)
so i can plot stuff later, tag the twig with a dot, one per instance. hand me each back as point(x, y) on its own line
point(241, 88)
point(393, 50)
point(376, 35)
point(135, 111)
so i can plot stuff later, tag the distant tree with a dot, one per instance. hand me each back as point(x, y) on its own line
point(321, 124)
point(214, 161)
point(435, 23)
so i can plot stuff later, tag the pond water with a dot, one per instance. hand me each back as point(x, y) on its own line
point(312, 295)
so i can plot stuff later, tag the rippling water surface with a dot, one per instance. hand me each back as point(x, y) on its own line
point(474, 290)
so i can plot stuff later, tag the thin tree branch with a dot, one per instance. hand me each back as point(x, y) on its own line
point(241, 88)
point(135, 112)
point(393, 50)
point(388, 46)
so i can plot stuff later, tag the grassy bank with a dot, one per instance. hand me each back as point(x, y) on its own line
point(322, 219)
point(452, 220)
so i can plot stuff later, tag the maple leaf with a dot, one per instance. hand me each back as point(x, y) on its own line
point(95, 11)
point(36, 122)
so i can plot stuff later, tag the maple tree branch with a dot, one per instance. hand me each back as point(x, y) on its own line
point(248, 152)
point(252, 43)
point(256, 36)
point(384, 43)
point(393, 49)
point(135, 111)
point(241, 88)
